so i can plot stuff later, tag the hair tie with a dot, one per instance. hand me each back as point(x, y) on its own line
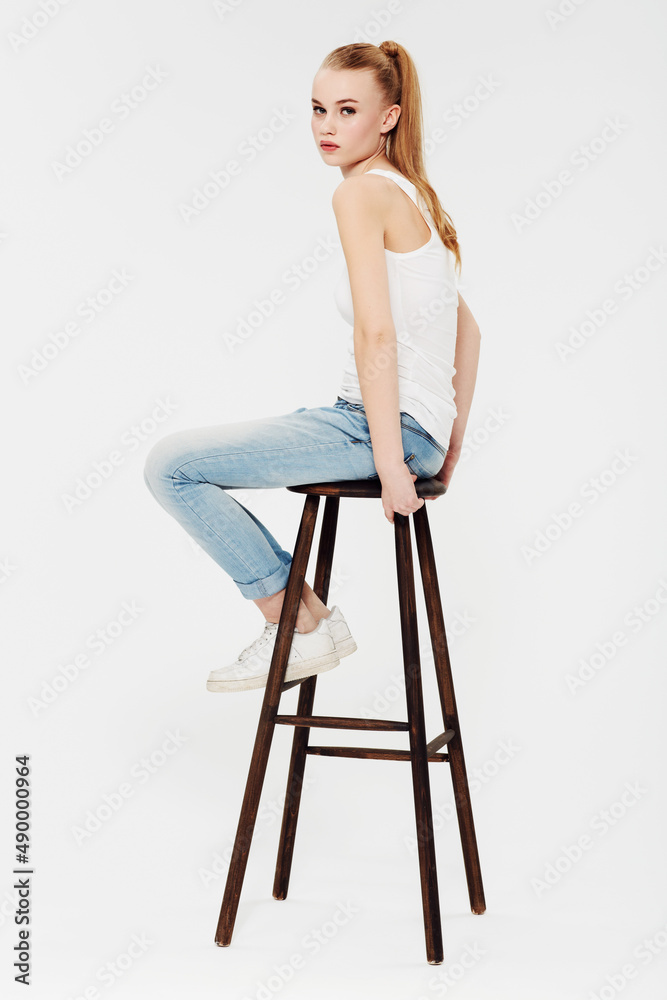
point(390, 49)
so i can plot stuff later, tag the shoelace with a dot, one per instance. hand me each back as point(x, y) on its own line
point(269, 629)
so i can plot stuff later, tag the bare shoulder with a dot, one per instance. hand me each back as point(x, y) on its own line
point(365, 193)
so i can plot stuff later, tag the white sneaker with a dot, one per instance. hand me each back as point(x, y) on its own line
point(338, 627)
point(310, 653)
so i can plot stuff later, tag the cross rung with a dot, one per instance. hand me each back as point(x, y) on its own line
point(440, 741)
point(370, 753)
point(333, 722)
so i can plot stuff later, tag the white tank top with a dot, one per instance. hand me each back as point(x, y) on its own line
point(423, 296)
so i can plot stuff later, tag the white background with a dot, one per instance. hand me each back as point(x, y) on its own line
point(540, 595)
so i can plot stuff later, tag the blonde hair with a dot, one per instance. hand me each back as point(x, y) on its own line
point(396, 78)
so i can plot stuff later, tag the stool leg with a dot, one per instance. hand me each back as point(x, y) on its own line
point(445, 680)
point(305, 707)
point(419, 759)
point(266, 726)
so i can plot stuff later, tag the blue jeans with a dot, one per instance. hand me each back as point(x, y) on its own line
point(189, 471)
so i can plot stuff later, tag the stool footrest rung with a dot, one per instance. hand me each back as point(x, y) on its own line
point(333, 722)
point(373, 753)
point(439, 741)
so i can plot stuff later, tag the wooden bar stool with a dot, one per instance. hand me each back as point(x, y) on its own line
point(421, 752)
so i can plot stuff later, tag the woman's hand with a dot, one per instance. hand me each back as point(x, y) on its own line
point(398, 493)
point(447, 471)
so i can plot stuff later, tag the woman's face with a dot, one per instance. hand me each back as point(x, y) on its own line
point(347, 114)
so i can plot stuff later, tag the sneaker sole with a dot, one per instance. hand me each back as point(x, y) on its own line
point(346, 646)
point(293, 673)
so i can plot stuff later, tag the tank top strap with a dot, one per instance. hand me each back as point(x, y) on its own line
point(407, 186)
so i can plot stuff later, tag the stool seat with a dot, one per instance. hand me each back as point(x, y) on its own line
point(422, 751)
point(366, 488)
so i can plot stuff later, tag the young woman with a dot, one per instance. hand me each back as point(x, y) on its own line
point(414, 345)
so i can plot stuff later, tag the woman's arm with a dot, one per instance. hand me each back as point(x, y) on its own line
point(466, 358)
point(361, 206)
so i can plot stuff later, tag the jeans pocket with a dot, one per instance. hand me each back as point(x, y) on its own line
point(409, 422)
point(427, 456)
point(416, 467)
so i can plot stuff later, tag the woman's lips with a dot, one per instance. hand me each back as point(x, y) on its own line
point(328, 145)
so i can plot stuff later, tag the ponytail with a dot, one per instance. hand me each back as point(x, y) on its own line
point(397, 79)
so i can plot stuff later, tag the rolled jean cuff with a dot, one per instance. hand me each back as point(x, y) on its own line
point(268, 586)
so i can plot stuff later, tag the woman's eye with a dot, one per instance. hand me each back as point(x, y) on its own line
point(353, 110)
